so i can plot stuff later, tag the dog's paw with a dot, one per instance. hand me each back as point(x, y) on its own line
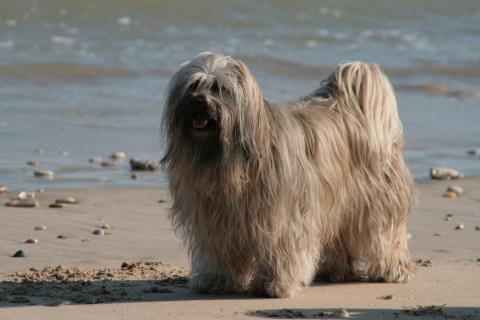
point(211, 283)
point(272, 289)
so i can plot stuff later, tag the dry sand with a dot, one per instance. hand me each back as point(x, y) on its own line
point(137, 270)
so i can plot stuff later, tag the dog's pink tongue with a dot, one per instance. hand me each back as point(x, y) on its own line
point(199, 124)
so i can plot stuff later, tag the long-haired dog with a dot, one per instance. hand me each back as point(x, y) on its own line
point(266, 196)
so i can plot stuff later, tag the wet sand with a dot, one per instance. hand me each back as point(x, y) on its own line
point(138, 269)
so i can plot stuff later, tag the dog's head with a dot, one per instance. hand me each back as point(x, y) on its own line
point(212, 109)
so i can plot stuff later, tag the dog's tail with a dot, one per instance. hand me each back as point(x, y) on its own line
point(363, 94)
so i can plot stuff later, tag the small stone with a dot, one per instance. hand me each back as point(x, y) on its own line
point(108, 164)
point(95, 160)
point(161, 201)
point(119, 155)
point(450, 194)
point(22, 203)
point(134, 176)
point(106, 227)
point(32, 163)
point(61, 236)
point(43, 174)
point(31, 241)
point(40, 228)
point(477, 227)
point(2, 189)
point(386, 297)
point(66, 200)
point(20, 299)
point(19, 254)
point(454, 188)
point(441, 173)
point(57, 205)
point(460, 227)
point(99, 232)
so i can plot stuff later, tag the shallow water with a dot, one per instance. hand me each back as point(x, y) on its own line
point(86, 78)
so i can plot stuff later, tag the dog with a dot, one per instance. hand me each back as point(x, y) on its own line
point(268, 196)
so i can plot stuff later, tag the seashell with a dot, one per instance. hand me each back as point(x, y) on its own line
point(442, 173)
point(144, 165)
point(31, 241)
point(119, 155)
point(22, 203)
point(25, 195)
point(454, 188)
point(450, 194)
point(40, 228)
point(106, 227)
point(66, 200)
point(460, 227)
point(99, 232)
point(43, 174)
point(32, 163)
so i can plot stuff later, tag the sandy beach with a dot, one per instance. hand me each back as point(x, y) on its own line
point(138, 268)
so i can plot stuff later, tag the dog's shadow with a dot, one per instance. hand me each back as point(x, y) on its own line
point(54, 293)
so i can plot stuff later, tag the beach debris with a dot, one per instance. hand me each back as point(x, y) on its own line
point(134, 176)
point(20, 299)
point(144, 165)
point(460, 227)
point(57, 205)
point(22, 203)
point(31, 241)
point(32, 163)
point(477, 227)
point(61, 236)
point(95, 160)
point(474, 152)
point(442, 173)
point(43, 174)
point(19, 254)
point(106, 227)
point(40, 228)
point(450, 194)
point(2, 188)
point(66, 200)
point(108, 163)
point(119, 155)
point(448, 217)
point(455, 188)
point(99, 232)
point(386, 297)
point(423, 262)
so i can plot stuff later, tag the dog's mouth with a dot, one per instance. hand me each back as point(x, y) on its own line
point(200, 124)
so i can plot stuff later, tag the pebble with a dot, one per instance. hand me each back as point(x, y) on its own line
point(19, 254)
point(134, 176)
point(386, 297)
point(474, 152)
point(40, 228)
point(477, 228)
point(43, 174)
point(99, 232)
point(450, 194)
point(2, 189)
point(119, 155)
point(460, 227)
point(31, 241)
point(442, 173)
point(66, 200)
point(106, 227)
point(95, 160)
point(32, 163)
point(22, 203)
point(454, 188)
point(57, 205)
point(144, 165)
point(108, 163)
point(61, 236)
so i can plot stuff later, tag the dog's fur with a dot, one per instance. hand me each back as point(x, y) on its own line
point(266, 195)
